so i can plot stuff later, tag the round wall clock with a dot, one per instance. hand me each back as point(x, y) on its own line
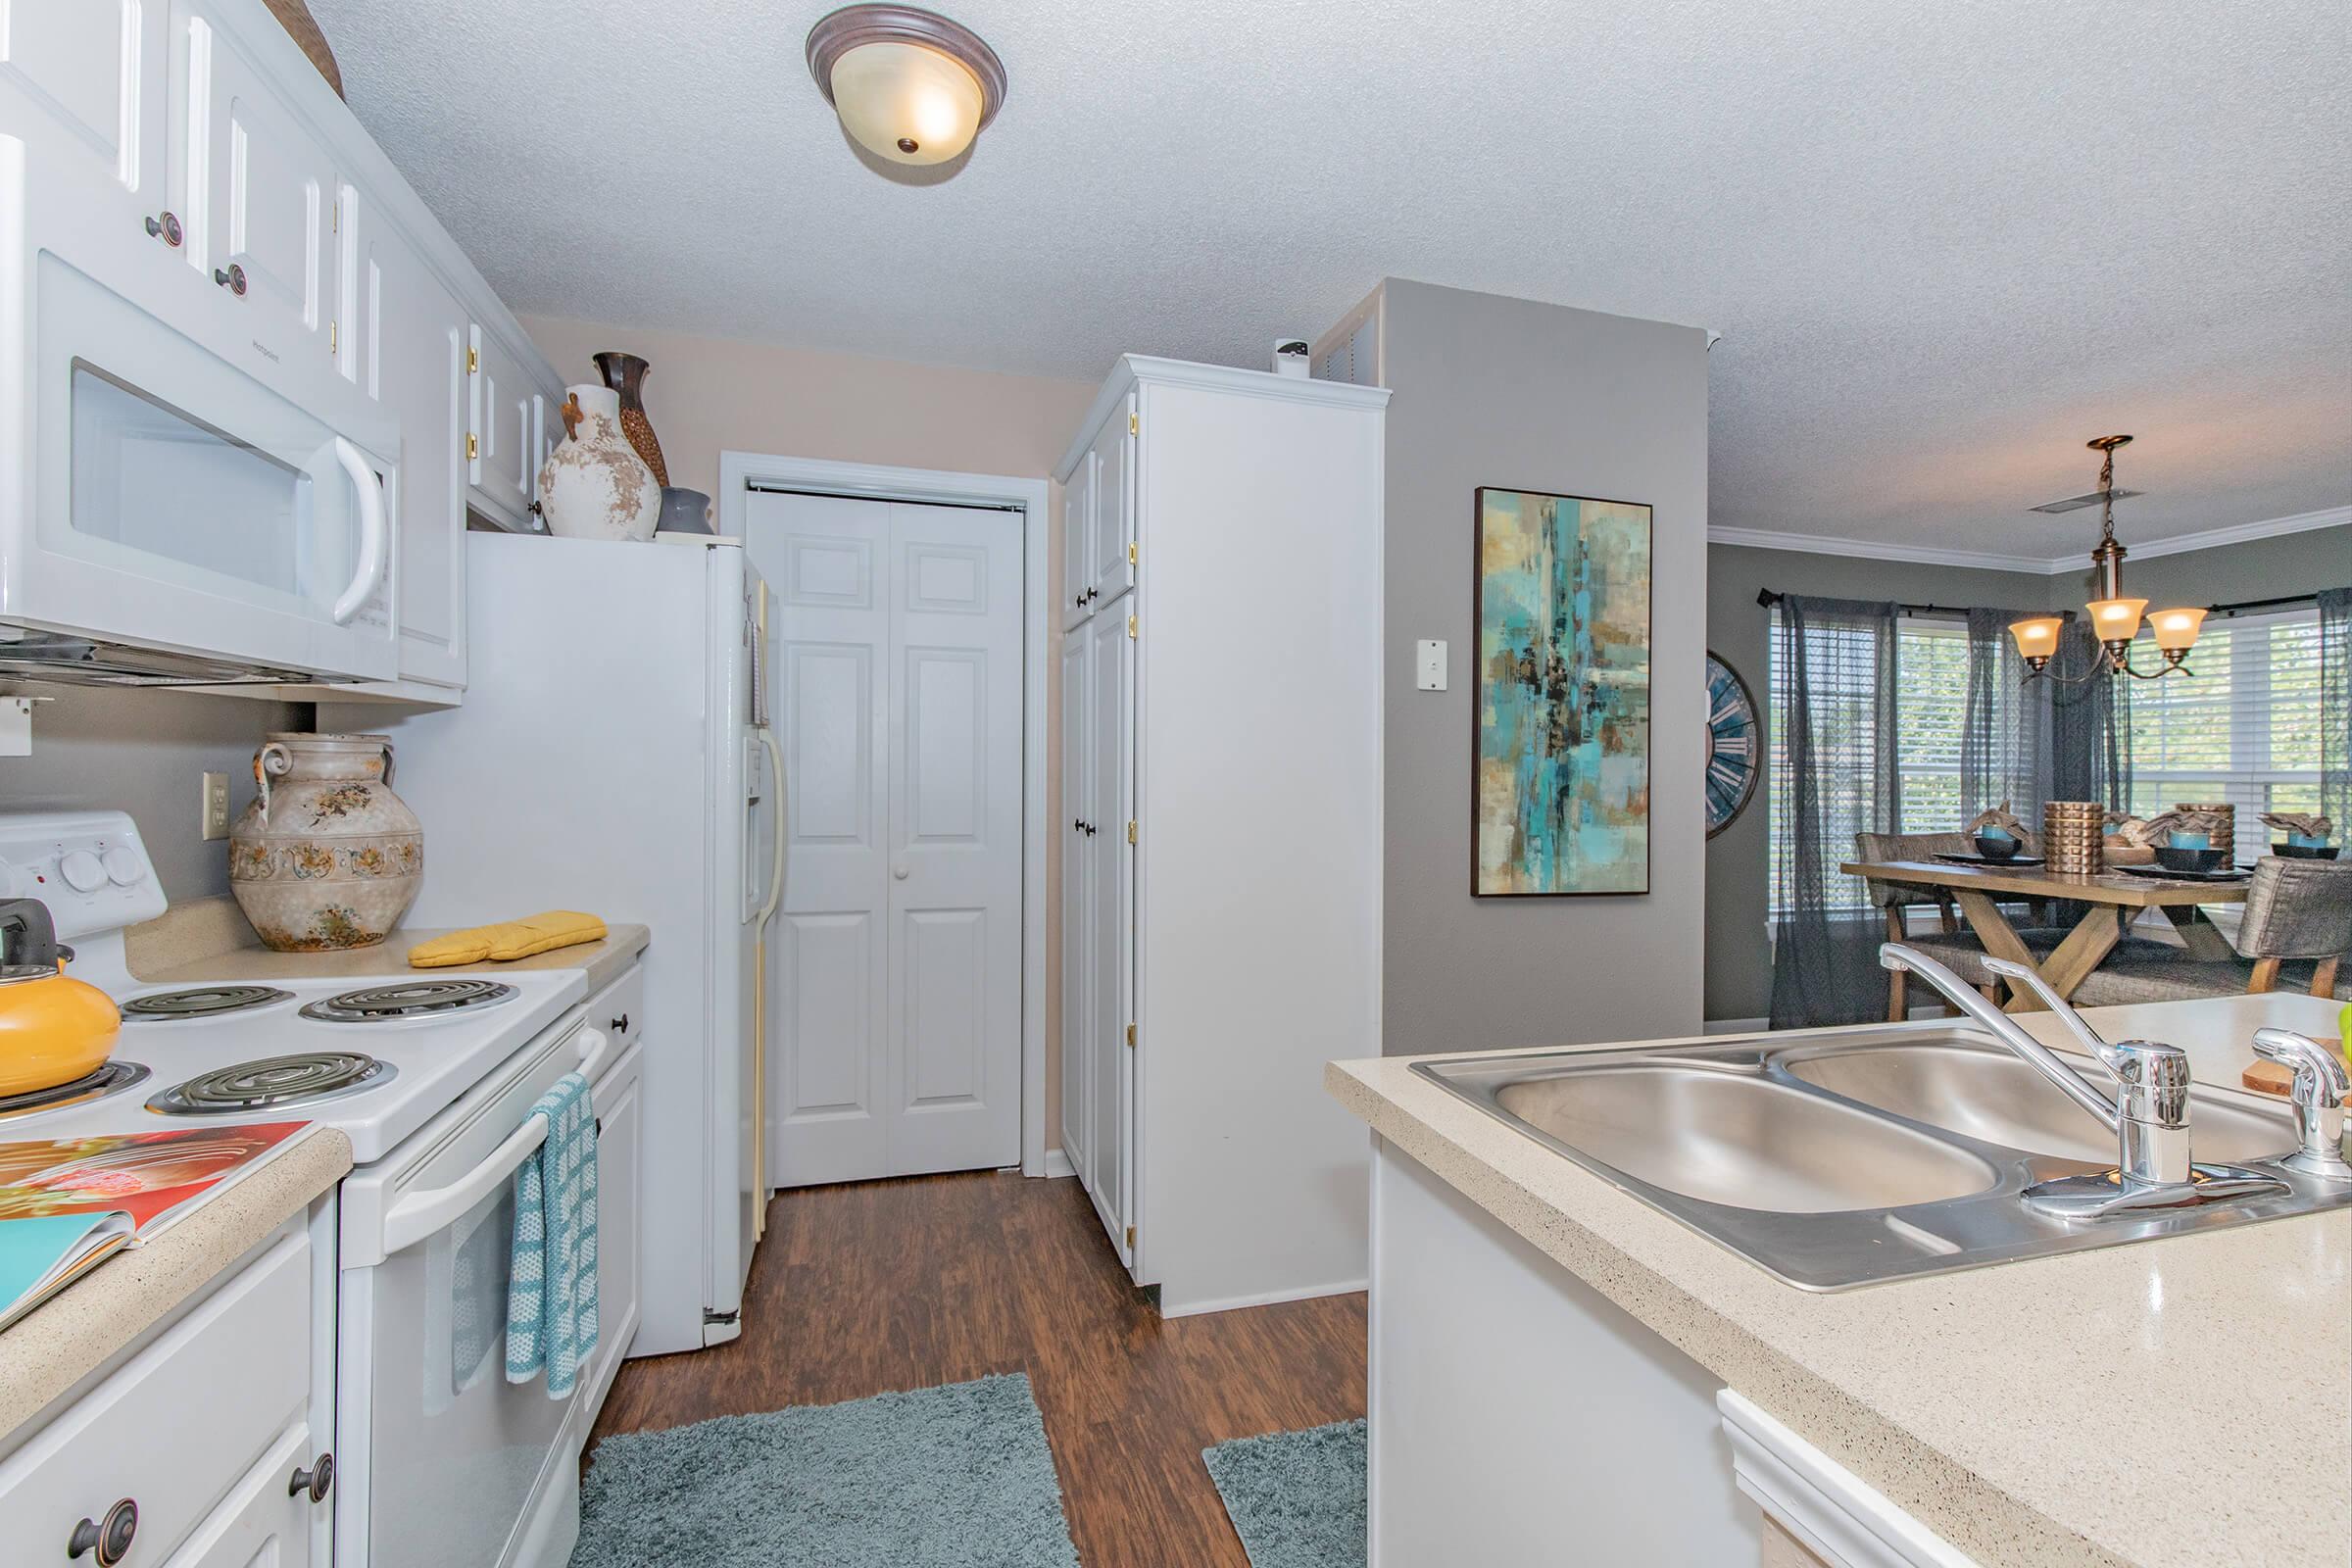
point(1735, 745)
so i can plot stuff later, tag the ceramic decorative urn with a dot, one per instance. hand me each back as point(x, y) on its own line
point(326, 856)
point(594, 485)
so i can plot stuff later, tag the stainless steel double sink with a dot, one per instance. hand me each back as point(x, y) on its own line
point(1834, 1159)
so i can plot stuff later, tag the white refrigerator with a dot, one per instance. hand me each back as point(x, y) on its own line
point(611, 754)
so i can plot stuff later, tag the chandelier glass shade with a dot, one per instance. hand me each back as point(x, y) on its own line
point(2115, 617)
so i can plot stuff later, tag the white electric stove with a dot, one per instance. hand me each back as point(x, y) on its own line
point(432, 1077)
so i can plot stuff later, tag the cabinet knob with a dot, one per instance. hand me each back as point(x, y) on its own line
point(109, 1539)
point(231, 279)
point(318, 1480)
point(620, 1025)
point(166, 227)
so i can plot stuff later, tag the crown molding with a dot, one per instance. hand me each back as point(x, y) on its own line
point(1986, 561)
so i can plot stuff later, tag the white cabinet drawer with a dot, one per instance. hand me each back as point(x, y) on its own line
point(179, 1426)
point(619, 1010)
point(267, 1520)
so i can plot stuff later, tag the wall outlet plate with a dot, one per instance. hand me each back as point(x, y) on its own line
point(1428, 664)
point(215, 805)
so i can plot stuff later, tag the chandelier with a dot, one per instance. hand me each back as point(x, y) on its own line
point(2113, 618)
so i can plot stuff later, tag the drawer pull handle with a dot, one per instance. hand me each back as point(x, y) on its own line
point(232, 280)
point(166, 227)
point(109, 1537)
point(620, 1025)
point(318, 1480)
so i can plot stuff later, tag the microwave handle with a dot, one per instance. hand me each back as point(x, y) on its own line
point(370, 491)
point(422, 1214)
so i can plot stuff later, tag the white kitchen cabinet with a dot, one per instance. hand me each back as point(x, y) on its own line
point(619, 1240)
point(1078, 542)
point(95, 74)
point(1221, 735)
point(1077, 919)
point(265, 1521)
point(506, 417)
point(264, 229)
point(413, 363)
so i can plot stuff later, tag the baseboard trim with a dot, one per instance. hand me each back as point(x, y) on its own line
point(1234, 1303)
point(1058, 1164)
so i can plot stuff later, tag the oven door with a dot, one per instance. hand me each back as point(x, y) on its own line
point(161, 494)
point(449, 1463)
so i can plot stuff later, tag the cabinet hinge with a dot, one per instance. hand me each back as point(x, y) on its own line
point(1131, 1034)
point(1134, 425)
point(1131, 1238)
point(1131, 555)
point(332, 336)
point(474, 360)
point(474, 448)
point(1131, 830)
point(1130, 625)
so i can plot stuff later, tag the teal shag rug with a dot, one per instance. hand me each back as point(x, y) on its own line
point(959, 1477)
point(1296, 1499)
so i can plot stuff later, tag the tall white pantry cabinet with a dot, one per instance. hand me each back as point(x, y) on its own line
point(1220, 818)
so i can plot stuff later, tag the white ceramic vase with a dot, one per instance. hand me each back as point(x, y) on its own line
point(326, 856)
point(594, 485)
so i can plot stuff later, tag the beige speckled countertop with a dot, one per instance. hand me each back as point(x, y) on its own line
point(207, 939)
point(47, 1351)
point(2178, 1402)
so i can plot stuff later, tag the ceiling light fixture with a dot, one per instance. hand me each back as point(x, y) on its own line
point(2115, 619)
point(909, 85)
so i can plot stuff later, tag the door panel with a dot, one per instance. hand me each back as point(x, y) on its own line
point(409, 333)
point(828, 1084)
point(1078, 542)
point(1111, 654)
point(1077, 922)
point(898, 697)
point(269, 192)
point(1113, 571)
point(266, 1522)
point(503, 417)
point(95, 72)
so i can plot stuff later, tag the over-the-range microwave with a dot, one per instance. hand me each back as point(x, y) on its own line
point(174, 505)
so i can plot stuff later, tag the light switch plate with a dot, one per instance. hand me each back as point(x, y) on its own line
point(1428, 664)
point(215, 805)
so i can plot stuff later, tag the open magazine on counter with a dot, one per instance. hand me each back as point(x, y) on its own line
point(69, 1203)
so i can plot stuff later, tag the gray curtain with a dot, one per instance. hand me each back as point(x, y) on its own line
point(2005, 728)
point(1836, 660)
point(2335, 710)
point(2090, 723)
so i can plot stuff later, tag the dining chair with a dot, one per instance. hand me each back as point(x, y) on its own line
point(2295, 934)
point(1958, 949)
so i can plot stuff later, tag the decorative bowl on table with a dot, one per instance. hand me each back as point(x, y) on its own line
point(2183, 858)
point(2305, 852)
point(1999, 846)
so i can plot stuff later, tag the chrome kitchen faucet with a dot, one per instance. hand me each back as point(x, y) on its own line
point(2149, 1115)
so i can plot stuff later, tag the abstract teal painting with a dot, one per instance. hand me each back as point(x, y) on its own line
point(1562, 761)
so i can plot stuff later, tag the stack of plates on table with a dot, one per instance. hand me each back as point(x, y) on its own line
point(2160, 874)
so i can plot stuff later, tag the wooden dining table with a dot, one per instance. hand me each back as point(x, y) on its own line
point(2115, 898)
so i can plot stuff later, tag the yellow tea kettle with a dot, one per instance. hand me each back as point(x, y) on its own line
point(54, 1029)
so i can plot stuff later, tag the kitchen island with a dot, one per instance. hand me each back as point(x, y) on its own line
point(1549, 1352)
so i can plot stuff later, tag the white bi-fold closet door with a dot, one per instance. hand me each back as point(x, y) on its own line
point(895, 966)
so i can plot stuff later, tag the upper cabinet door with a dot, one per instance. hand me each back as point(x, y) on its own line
point(413, 360)
point(504, 422)
point(1113, 549)
point(264, 232)
point(1077, 543)
point(92, 71)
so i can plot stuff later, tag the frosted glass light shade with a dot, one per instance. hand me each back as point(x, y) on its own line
point(907, 102)
point(2176, 629)
point(2038, 636)
point(2116, 621)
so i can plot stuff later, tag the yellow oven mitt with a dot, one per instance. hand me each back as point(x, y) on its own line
point(508, 939)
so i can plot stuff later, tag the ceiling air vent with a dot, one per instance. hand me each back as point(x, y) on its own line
point(2089, 497)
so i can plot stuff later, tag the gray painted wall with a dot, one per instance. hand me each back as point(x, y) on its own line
point(142, 752)
point(1739, 960)
point(1493, 391)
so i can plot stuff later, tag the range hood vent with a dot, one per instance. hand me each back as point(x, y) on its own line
point(81, 662)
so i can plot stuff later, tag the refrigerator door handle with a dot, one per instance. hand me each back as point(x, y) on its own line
point(775, 878)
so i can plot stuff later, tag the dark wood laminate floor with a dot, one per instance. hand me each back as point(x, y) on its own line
point(862, 1289)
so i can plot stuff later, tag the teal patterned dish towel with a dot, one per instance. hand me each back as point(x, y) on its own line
point(551, 1296)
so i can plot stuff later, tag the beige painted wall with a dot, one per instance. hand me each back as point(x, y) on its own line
point(707, 395)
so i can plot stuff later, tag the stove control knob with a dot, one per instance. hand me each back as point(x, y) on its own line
point(125, 866)
point(83, 871)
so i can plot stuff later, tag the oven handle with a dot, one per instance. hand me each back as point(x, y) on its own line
point(422, 1214)
point(370, 571)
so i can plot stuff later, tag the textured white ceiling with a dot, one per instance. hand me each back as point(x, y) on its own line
point(1945, 241)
